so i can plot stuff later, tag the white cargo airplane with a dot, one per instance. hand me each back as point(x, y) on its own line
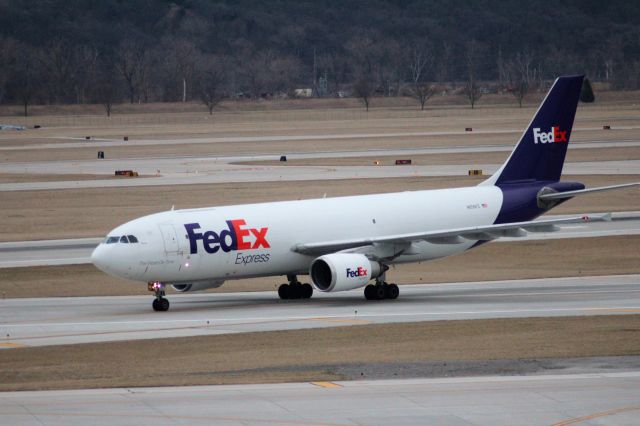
point(344, 243)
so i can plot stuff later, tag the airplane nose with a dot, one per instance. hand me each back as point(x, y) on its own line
point(98, 258)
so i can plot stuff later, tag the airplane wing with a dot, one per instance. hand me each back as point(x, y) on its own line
point(449, 236)
point(569, 194)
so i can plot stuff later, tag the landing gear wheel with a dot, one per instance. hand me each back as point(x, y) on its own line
point(307, 291)
point(380, 291)
point(283, 291)
point(160, 305)
point(392, 291)
point(295, 291)
point(369, 292)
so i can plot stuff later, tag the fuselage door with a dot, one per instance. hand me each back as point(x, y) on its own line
point(170, 238)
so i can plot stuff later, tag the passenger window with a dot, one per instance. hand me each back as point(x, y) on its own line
point(132, 239)
point(112, 240)
point(123, 239)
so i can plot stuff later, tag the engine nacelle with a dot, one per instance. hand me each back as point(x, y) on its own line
point(197, 285)
point(343, 271)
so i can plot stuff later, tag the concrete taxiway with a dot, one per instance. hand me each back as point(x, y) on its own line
point(603, 399)
point(78, 251)
point(50, 321)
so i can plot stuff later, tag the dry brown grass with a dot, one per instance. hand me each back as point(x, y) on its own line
point(495, 261)
point(302, 118)
point(308, 355)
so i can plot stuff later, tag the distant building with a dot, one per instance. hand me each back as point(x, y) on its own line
point(303, 93)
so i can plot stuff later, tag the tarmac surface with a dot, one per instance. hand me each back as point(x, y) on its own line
point(78, 251)
point(609, 398)
point(52, 321)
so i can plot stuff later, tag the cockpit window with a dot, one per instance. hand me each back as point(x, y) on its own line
point(112, 240)
point(132, 239)
point(124, 239)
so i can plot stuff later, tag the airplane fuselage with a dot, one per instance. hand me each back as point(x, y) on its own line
point(251, 240)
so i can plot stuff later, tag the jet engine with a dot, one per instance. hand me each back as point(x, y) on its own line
point(196, 285)
point(343, 271)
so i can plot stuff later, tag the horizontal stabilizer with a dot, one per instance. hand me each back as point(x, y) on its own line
point(569, 194)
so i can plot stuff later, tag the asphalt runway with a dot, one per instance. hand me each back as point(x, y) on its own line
point(51, 321)
point(78, 251)
point(560, 400)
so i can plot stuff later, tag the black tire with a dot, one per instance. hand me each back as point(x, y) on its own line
point(295, 291)
point(283, 291)
point(156, 305)
point(392, 291)
point(369, 292)
point(307, 291)
point(380, 291)
point(164, 304)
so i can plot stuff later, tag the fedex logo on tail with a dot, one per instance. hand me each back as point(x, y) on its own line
point(354, 273)
point(236, 237)
point(553, 136)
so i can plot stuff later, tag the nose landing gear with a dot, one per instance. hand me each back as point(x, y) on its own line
point(295, 289)
point(160, 304)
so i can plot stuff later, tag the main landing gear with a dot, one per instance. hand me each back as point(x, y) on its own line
point(160, 304)
point(295, 289)
point(381, 290)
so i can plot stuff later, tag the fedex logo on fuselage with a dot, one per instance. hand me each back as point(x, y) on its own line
point(358, 272)
point(555, 135)
point(236, 237)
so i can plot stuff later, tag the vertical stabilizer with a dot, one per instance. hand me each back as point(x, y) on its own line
point(539, 155)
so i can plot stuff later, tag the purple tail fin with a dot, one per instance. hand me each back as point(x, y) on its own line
point(539, 156)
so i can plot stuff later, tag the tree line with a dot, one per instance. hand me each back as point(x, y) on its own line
point(75, 51)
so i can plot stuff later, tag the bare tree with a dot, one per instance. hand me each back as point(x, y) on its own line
point(87, 59)
point(133, 63)
point(177, 61)
point(27, 75)
point(472, 57)
point(265, 73)
point(210, 82)
point(445, 63)
point(522, 75)
point(363, 89)
point(335, 68)
point(388, 63)
point(106, 89)
point(60, 65)
point(420, 61)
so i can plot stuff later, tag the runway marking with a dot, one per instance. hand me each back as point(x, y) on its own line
point(327, 385)
point(12, 345)
point(597, 415)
